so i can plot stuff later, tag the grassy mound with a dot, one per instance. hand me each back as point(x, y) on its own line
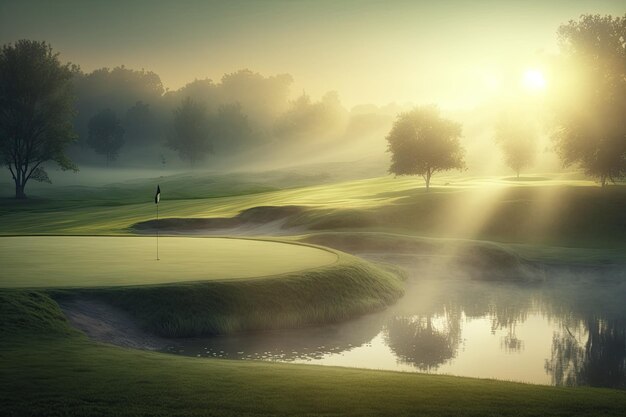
point(485, 261)
point(48, 370)
point(332, 293)
point(251, 216)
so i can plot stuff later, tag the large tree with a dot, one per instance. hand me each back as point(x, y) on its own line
point(423, 143)
point(518, 140)
point(36, 111)
point(106, 135)
point(192, 136)
point(592, 101)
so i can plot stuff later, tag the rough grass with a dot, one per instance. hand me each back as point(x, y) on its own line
point(50, 370)
point(328, 294)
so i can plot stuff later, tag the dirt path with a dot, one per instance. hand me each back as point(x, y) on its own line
point(105, 323)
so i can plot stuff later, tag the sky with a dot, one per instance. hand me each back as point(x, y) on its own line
point(450, 52)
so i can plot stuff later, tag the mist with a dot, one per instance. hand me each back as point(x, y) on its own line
point(199, 199)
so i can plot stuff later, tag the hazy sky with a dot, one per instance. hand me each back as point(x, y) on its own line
point(369, 51)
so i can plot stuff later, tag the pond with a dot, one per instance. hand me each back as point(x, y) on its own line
point(569, 329)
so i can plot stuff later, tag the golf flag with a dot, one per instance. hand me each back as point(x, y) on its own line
point(157, 196)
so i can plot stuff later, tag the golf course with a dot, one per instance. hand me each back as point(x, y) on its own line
point(312, 208)
point(213, 285)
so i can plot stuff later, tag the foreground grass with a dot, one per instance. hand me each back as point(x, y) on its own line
point(48, 369)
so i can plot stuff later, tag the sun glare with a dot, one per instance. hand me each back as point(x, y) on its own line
point(534, 80)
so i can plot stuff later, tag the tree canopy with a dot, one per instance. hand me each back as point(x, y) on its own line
point(106, 135)
point(306, 119)
point(423, 143)
point(191, 137)
point(36, 111)
point(591, 128)
point(517, 139)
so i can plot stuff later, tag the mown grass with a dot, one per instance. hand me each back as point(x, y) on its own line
point(79, 261)
point(48, 369)
point(546, 212)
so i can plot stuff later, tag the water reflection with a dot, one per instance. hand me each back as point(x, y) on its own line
point(593, 354)
point(424, 341)
point(570, 331)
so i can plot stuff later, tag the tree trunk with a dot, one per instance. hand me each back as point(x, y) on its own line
point(428, 174)
point(518, 174)
point(19, 190)
point(603, 180)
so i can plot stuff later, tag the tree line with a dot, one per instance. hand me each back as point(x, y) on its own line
point(52, 112)
point(588, 122)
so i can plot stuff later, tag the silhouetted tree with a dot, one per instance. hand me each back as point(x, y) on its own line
point(590, 114)
point(307, 119)
point(262, 98)
point(231, 129)
point(106, 135)
point(140, 125)
point(192, 136)
point(517, 139)
point(36, 110)
point(423, 143)
point(119, 89)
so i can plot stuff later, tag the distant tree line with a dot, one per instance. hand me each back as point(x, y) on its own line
point(53, 113)
point(243, 110)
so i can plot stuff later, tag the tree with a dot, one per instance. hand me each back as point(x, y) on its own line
point(106, 135)
point(592, 80)
point(517, 139)
point(36, 110)
point(140, 125)
point(192, 136)
point(231, 129)
point(423, 143)
point(306, 119)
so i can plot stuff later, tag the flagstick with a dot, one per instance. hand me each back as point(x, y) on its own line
point(157, 232)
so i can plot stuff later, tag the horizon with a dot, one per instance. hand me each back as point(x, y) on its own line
point(341, 47)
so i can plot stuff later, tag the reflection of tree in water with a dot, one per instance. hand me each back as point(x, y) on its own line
point(425, 341)
point(510, 343)
point(506, 315)
point(600, 362)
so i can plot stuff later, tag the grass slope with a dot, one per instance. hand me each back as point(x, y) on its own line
point(551, 212)
point(345, 289)
point(47, 369)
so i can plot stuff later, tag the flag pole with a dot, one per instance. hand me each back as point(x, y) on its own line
point(157, 232)
point(157, 199)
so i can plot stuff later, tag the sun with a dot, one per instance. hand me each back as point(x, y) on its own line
point(534, 80)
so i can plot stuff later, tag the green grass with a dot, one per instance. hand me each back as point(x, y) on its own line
point(48, 369)
point(326, 294)
point(546, 212)
point(80, 261)
point(373, 242)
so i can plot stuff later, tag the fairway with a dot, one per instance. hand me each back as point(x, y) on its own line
point(83, 261)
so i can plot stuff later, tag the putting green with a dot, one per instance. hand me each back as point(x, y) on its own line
point(86, 261)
